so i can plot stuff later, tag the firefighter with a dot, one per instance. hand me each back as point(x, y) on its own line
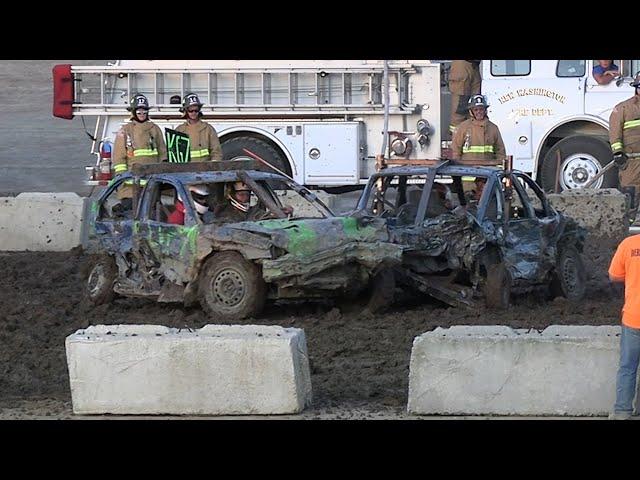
point(205, 145)
point(624, 135)
point(464, 81)
point(477, 141)
point(139, 141)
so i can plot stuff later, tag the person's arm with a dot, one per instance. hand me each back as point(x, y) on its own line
point(617, 267)
point(161, 145)
point(120, 164)
point(456, 143)
point(215, 150)
point(500, 151)
point(604, 78)
point(616, 120)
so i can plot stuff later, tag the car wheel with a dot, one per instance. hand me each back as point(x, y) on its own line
point(377, 297)
point(581, 158)
point(569, 278)
point(102, 273)
point(497, 288)
point(231, 288)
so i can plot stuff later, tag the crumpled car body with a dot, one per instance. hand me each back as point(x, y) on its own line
point(452, 234)
point(295, 257)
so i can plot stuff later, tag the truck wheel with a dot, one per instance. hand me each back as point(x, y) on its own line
point(232, 150)
point(231, 288)
point(102, 273)
point(569, 278)
point(497, 288)
point(582, 157)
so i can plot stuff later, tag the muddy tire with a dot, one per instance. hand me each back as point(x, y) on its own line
point(497, 288)
point(377, 297)
point(231, 288)
point(101, 275)
point(569, 278)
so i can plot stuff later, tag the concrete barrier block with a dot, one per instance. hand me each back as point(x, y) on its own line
point(41, 222)
point(603, 212)
point(216, 370)
point(477, 370)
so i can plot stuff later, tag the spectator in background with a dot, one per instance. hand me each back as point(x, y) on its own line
point(605, 71)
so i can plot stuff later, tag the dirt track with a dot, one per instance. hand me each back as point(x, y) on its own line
point(359, 364)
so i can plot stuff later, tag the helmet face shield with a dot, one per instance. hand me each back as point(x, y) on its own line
point(200, 195)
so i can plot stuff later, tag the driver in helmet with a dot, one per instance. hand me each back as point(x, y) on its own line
point(238, 207)
point(200, 195)
point(477, 141)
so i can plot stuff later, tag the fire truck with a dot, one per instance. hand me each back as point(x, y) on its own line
point(319, 121)
point(322, 121)
point(554, 117)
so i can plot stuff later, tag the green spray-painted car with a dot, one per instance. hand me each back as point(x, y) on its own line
point(172, 242)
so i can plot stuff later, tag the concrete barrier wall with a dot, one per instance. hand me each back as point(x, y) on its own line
point(469, 370)
point(41, 221)
point(603, 212)
point(216, 370)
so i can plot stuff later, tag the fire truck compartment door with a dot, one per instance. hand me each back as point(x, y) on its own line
point(331, 153)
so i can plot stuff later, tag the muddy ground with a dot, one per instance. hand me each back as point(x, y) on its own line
point(359, 364)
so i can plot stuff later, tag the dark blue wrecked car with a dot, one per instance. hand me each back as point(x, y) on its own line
point(472, 232)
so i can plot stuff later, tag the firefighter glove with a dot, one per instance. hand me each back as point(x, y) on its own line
point(620, 159)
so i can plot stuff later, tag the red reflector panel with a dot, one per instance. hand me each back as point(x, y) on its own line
point(63, 92)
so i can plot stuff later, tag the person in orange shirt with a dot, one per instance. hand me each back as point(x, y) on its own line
point(625, 267)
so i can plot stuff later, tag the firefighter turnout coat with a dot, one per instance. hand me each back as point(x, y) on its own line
point(478, 142)
point(205, 145)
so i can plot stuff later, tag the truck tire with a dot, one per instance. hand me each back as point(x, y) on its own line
point(581, 158)
point(232, 150)
point(101, 275)
point(497, 288)
point(231, 288)
point(569, 277)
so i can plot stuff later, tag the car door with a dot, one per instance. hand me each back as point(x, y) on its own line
point(112, 224)
point(168, 249)
point(523, 234)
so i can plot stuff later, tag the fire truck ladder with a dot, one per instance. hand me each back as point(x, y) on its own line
point(250, 92)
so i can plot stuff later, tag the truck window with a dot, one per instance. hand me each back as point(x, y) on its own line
point(570, 68)
point(510, 68)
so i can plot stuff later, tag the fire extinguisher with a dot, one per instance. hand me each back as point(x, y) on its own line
point(105, 160)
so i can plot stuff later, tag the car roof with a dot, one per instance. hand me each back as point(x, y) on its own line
point(209, 176)
point(444, 170)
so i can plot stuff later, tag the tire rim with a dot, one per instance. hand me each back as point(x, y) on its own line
point(570, 274)
point(96, 281)
point(578, 169)
point(229, 288)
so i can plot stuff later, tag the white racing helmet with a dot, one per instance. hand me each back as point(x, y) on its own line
point(200, 193)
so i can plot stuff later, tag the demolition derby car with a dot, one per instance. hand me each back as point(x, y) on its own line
point(475, 232)
point(169, 239)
